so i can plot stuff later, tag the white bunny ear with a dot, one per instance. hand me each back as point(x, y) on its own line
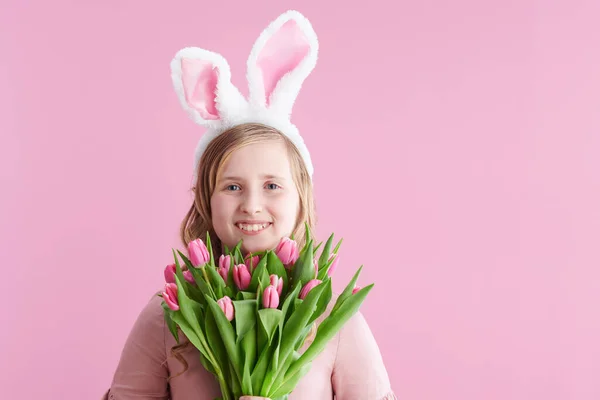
point(282, 58)
point(202, 81)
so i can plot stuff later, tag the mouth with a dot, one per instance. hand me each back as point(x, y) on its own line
point(252, 228)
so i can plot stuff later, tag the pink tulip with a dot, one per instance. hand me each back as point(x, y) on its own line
point(251, 263)
point(287, 251)
point(227, 306)
point(277, 282)
point(224, 263)
point(356, 289)
point(270, 297)
point(241, 276)
point(189, 277)
point(308, 287)
point(333, 265)
point(170, 296)
point(170, 273)
point(198, 252)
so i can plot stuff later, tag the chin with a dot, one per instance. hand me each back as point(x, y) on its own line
point(249, 245)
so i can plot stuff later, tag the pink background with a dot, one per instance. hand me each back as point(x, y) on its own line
point(471, 159)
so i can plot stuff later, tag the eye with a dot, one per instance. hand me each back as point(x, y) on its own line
point(232, 188)
point(273, 186)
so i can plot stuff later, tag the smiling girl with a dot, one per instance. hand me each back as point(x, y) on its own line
point(253, 182)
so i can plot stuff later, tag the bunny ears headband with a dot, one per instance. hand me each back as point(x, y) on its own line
point(281, 59)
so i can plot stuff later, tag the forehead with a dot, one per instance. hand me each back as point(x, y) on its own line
point(258, 160)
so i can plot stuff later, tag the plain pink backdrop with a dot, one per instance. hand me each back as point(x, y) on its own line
point(466, 179)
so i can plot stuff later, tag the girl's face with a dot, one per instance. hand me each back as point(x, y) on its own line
point(255, 198)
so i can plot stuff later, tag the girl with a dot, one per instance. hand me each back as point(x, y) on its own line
point(253, 183)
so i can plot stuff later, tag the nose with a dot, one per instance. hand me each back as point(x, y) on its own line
point(251, 203)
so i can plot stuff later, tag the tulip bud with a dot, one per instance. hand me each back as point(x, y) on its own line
point(308, 287)
point(356, 289)
point(224, 263)
point(333, 265)
point(277, 282)
point(198, 253)
point(170, 273)
point(241, 276)
point(189, 277)
point(251, 262)
point(170, 296)
point(270, 297)
point(287, 251)
point(226, 305)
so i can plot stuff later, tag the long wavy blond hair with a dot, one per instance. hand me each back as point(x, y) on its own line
point(198, 222)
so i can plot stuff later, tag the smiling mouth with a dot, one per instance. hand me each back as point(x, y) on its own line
point(253, 227)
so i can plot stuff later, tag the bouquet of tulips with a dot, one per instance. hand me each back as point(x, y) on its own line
point(249, 317)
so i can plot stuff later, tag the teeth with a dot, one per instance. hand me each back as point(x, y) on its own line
point(252, 227)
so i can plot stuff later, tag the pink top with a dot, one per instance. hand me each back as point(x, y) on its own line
point(350, 367)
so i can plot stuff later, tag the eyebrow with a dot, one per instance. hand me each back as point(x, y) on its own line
point(266, 176)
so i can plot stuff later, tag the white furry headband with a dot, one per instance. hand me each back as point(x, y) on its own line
point(281, 59)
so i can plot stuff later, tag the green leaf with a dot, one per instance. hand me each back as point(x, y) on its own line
point(169, 321)
point(275, 266)
point(245, 317)
point(229, 292)
point(260, 369)
point(317, 247)
point(294, 327)
point(269, 319)
point(329, 328)
point(347, 291)
point(301, 338)
point(210, 250)
point(304, 269)
point(246, 296)
point(230, 282)
point(287, 307)
point(282, 369)
point(190, 309)
point(249, 352)
point(227, 334)
point(236, 385)
point(216, 343)
point(239, 257)
point(272, 371)
point(191, 335)
point(326, 252)
point(307, 232)
point(186, 260)
point(217, 282)
point(203, 287)
point(323, 302)
point(336, 250)
point(178, 270)
point(290, 383)
point(259, 273)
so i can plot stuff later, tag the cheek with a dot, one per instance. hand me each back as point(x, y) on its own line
point(288, 208)
point(221, 208)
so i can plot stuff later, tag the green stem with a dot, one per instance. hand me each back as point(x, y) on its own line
point(205, 275)
point(225, 391)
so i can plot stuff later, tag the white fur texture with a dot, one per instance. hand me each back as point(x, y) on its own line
point(233, 108)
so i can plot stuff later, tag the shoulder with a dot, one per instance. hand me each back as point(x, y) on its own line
point(153, 309)
point(150, 322)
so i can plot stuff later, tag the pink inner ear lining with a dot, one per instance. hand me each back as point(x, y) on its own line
point(200, 78)
point(281, 54)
